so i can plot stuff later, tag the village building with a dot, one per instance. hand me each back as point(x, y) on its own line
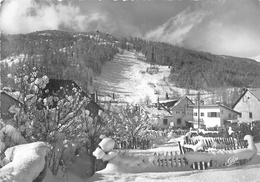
point(161, 116)
point(216, 115)
point(61, 88)
point(171, 113)
point(248, 105)
point(8, 101)
point(180, 111)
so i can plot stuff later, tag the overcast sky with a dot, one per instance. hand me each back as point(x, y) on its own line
point(230, 27)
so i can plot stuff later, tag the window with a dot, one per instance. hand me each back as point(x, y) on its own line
point(195, 114)
point(202, 114)
point(213, 114)
point(179, 121)
point(250, 115)
point(221, 111)
point(229, 115)
point(165, 121)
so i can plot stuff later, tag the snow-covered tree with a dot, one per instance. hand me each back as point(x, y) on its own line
point(51, 119)
point(9, 137)
point(129, 122)
point(92, 129)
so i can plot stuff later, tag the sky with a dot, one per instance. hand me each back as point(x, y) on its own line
point(224, 27)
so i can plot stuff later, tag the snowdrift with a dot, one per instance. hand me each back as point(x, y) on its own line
point(172, 161)
point(25, 163)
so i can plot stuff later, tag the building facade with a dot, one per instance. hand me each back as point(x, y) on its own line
point(213, 115)
point(180, 112)
point(248, 105)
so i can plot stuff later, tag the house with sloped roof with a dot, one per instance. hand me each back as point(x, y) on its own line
point(7, 102)
point(163, 117)
point(214, 115)
point(172, 112)
point(248, 104)
point(180, 110)
point(61, 88)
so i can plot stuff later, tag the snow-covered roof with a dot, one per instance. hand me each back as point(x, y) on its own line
point(14, 95)
point(156, 111)
point(168, 101)
point(171, 103)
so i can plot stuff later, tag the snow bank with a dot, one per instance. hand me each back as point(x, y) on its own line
point(248, 173)
point(172, 161)
point(24, 163)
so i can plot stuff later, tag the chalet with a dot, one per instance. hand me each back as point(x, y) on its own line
point(180, 111)
point(172, 112)
point(213, 115)
point(7, 101)
point(248, 105)
point(163, 117)
point(60, 88)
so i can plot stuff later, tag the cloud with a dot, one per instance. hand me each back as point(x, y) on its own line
point(24, 16)
point(232, 40)
point(226, 27)
point(176, 29)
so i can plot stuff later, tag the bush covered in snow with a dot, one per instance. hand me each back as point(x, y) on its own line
point(62, 122)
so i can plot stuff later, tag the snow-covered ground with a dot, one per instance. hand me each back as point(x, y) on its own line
point(244, 173)
point(126, 76)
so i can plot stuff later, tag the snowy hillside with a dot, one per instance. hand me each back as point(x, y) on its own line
point(126, 76)
point(13, 59)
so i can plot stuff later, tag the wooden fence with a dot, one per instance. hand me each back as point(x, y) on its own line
point(216, 143)
point(135, 143)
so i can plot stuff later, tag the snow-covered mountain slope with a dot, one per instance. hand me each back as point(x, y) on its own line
point(126, 76)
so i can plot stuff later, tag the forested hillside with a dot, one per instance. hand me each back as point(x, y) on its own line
point(77, 56)
point(200, 70)
point(80, 56)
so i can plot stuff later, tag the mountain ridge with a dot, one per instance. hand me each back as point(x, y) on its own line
point(189, 69)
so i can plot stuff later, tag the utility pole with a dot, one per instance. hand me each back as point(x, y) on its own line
point(198, 110)
point(152, 59)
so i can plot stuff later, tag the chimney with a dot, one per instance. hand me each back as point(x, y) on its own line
point(113, 96)
point(93, 96)
point(166, 96)
point(96, 96)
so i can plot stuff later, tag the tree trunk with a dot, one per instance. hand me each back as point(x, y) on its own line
point(93, 158)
